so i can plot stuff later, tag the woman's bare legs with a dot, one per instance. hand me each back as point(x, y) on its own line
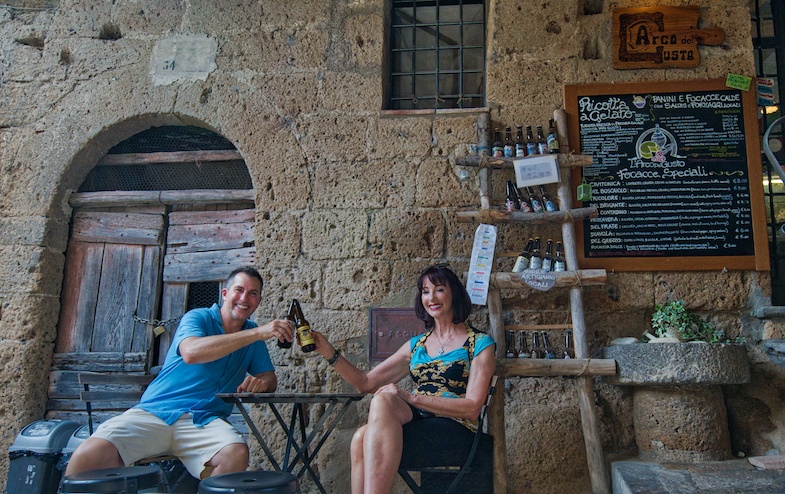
point(377, 446)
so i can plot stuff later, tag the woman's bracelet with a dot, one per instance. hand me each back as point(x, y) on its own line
point(332, 360)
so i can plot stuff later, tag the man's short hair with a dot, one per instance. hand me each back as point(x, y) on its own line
point(248, 271)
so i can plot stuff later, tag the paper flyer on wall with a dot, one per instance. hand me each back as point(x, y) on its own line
point(482, 261)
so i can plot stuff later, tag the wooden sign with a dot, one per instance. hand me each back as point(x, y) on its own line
point(676, 176)
point(659, 37)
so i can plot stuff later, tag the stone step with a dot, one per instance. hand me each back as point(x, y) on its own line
point(717, 477)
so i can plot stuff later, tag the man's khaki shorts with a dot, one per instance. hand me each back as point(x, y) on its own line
point(138, 434)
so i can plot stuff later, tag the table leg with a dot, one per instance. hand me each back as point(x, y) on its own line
point(257, 434)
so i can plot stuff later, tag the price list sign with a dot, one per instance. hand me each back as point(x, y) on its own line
point(676, 176)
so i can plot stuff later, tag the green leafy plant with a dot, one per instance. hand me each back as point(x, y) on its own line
point(673, 320)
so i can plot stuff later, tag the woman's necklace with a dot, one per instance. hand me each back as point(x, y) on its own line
point(442, 343)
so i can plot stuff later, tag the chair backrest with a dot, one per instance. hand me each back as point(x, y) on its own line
point(115, 392)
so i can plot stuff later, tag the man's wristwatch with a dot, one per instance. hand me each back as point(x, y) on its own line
point(332, 360)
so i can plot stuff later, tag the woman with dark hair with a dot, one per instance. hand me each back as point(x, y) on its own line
point(451, 365)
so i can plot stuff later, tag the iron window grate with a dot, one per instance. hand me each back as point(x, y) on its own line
point(437, 54)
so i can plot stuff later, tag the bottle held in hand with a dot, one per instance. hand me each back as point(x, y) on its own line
point(290, 318)
point(304, 336)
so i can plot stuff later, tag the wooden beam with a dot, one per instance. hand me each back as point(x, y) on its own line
point(537, 367)
point(173, 157)
point(155, 197)
point(495, 216)
point(568, 160)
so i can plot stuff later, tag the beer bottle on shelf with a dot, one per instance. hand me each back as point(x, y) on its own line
point(553, 138)
point(523, 347)
point(513, 202)
point(559, 262)
point(535, 261)
point(542, 144)
point(520, 146)
point(511, 351)
point(536, 351)
point(509, 147)
point(536, 204)
point(531, 145)
point(546, 346)
point(304, 336)
point(290, 318)
point(547, 259)
point(522, 261)
point(569, 349)
point(498, 148)
point(547, 202)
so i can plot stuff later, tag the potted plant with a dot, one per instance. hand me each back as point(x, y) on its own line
point(673, 323)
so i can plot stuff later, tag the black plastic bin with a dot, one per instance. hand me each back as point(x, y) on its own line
point(34, 455)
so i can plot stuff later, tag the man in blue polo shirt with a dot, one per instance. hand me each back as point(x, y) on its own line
point(215, 350)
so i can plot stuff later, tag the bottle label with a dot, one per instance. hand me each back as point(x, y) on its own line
point(520, 264)
point(550, 206)
point(525, 207)
point(508, 151)
point(536, 206)
point(531, 148)
point(510, 205)
point(553, 143)
point(535, 263)
point(547, 264)
point(559, 266)
point(498, 152)
point(520, 150)
point(304, 336)
point(543, 147)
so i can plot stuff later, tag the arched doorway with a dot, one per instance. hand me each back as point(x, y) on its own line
point(157, 225)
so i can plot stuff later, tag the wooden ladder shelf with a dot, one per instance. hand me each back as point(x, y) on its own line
point(582, 367)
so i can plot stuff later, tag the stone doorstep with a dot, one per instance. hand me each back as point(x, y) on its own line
point(717, 477)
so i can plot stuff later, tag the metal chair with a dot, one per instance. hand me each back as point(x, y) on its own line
point(450, 463)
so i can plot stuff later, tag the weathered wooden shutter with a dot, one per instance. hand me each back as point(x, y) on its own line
point(112, 273)
point(202, 246)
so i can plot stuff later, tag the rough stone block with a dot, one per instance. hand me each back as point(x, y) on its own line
point(408, 137)
point(545, 31)
point(355, 284)
point(29, 317)
point(535, 81)
point(622, 291)
point(31, 270)
point(449, 132)
point(328, 137)
point(278, 236)
point(335, 234)
point(375, 184)
point(150, 17)
point(290, 94)
point(283, 282)
point(276, 49)
point(34, 230)
point(350, 92)
point(404, 234)
point(438, 186)
point(363, 36)
point(710, 291)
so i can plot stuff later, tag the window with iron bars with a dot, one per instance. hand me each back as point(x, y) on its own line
point(437, 54)
point(768, 36)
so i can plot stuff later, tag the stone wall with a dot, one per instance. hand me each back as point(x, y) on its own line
point(351, 204)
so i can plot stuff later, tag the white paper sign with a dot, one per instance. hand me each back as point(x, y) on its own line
point(539, 279)
point(482, 261)
point(537, 170)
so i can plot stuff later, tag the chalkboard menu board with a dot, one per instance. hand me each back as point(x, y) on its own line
point(676, 176)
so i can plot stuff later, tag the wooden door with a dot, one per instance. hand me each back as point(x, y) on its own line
point(112, 280)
